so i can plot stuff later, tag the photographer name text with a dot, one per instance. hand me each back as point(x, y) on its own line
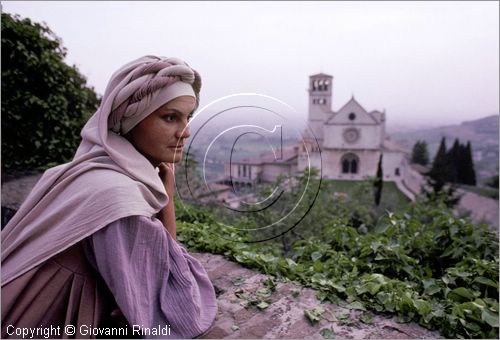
point(85, 330)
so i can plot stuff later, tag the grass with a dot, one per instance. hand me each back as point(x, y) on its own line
point(392, 198)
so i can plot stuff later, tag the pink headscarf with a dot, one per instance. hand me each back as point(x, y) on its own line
point(108, 179)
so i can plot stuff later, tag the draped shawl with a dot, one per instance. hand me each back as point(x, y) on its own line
point(108, 179)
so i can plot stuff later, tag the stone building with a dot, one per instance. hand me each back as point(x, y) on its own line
point(265, 168)
point(346, 145)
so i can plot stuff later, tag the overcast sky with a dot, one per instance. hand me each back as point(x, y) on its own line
point(425, 63)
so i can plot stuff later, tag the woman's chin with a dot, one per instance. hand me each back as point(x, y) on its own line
point(176, 159)
point(173, 157)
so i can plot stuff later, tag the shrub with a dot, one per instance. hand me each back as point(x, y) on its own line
point(45, 102)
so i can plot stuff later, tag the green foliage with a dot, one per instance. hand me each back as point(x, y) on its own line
point(44, 101)
point(392, 198)
point(453, 166)
point(314, 315)
point(440, 168)
point(450, 167)
point(423, 264)
point(468, 174)
point(440, 192)
point(327, 333)
point(419, 154)
point(461, 167)
point(353, 205)
point(437, 178)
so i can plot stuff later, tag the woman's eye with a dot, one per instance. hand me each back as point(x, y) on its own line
point(169, 118)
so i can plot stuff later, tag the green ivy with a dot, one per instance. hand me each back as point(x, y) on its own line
point(423, 265)
point(45, 102)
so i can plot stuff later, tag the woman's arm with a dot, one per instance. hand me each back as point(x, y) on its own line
point(153, 279)
point(167, 214)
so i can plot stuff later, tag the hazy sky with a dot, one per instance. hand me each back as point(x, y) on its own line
point(423, 62)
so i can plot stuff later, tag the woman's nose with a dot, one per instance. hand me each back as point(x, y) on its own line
point(183, 132)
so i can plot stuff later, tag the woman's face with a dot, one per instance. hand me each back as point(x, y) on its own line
point(160, 136)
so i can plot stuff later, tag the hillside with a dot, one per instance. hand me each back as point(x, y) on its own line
point(482, 133)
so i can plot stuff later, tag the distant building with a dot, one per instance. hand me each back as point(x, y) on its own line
point(346, 145)
point(265, 168)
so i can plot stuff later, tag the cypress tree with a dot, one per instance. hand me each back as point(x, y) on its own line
point(438, 173)
point(469, 172)
point(420, 155)
point(379, 182)
point(461, 164)
point(438, 176)
point(454, 166)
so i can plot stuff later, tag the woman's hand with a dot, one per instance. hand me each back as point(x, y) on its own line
point(167, 214)
point(167, 175)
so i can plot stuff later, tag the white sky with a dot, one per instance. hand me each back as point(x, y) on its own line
point(426, 63)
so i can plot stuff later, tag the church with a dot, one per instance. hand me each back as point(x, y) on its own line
point(351, 140)
point(345, 145)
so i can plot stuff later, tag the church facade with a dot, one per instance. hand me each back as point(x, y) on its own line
point(345, 145)
point(351, 140)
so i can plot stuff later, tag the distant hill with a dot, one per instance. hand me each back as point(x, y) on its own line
point(482, 133)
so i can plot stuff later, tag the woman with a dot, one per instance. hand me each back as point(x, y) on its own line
point(93, 246)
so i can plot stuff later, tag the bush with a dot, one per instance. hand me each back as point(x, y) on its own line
point(45, 102)
point(423, 264)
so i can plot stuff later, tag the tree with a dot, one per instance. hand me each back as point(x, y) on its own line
point(455, 163)
point(437, 178)
point(379, 182)
point(458, 166)
point(469, 174)
point(438, 173)
point(419, 154)
point(41, 93)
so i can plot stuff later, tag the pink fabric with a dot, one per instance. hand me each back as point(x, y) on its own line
point(153, 279)
point(108, 179)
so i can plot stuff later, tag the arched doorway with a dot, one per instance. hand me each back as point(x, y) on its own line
point(350, 163)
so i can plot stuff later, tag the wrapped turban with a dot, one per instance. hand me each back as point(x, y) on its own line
point(151, 85)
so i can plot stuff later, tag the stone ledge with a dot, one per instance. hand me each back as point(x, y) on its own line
point(284, 317)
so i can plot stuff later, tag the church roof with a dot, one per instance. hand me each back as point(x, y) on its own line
point(351, 102)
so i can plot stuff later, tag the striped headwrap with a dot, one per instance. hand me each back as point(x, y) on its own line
point(150, 85)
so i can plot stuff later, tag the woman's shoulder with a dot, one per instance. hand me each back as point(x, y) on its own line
point(108, 181)
point(107, 190)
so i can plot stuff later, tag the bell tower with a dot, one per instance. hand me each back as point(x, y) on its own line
point(320, 101)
